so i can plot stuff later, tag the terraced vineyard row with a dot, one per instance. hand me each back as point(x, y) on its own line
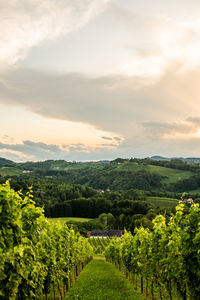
point(99, 244)
point(166, 260)
point(38, 258)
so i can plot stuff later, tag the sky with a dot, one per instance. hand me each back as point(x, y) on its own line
point(99, 79)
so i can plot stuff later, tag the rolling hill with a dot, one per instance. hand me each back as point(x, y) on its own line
point(120, 174)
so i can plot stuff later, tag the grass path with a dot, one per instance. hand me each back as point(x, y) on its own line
point(100, 280)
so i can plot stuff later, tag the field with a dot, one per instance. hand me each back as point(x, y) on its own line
point(133, 261)
point(197, 191)
point(170, 175)
point(10, 171)
point(101, 280)
point(68, 219)
point(163, 202)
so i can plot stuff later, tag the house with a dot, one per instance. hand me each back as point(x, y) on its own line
point(99, 233)
point(4, 175)
point(100, 191)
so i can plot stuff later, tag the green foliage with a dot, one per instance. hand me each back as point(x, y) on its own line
point(34, 253)
point(107, 220)
point(121, 174)
point(6, 162)
point(99, 244)
point(84, 227)
point(10, 171)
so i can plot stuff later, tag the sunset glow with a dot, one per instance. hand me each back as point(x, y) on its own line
point(99, 79)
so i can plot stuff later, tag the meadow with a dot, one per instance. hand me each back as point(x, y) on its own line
point(11, 171)
point(169, 175)
point(85, 173)
point(68, 219)
point(163, 202)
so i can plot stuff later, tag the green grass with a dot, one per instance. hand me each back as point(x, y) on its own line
point(68, 219)
point(197, 191)
point(171, 175)
point(100, 280)
point(163, 202)
point(78, 166)
point(10, 171)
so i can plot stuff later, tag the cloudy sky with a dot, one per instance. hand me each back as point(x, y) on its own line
point(99, 79)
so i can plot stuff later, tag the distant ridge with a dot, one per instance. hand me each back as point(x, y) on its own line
point(157, 157)
point(193, 160)
point(150, 174)
point(6, 162)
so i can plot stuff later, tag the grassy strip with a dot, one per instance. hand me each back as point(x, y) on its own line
point(101, 280)
point(68, 219)
point(163, 202)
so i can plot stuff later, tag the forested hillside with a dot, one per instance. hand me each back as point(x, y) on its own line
point(132, 191)
point(120, 174)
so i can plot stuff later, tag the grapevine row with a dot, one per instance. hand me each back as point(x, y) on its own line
point(168, 257)
point(99, 244)
point(37, 257)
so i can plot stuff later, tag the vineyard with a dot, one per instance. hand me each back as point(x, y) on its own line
point(164, 262)
point(99, 244)
point(39, 259)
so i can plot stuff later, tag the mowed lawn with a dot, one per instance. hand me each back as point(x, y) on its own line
point(68, 219)
point(100, 280)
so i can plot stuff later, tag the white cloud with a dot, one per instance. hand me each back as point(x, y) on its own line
point(180, 129)
point(156, 40)
point(157, 118)
point(28, 23)
point(29, 150)
point(113, 103)
point(145, 113)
